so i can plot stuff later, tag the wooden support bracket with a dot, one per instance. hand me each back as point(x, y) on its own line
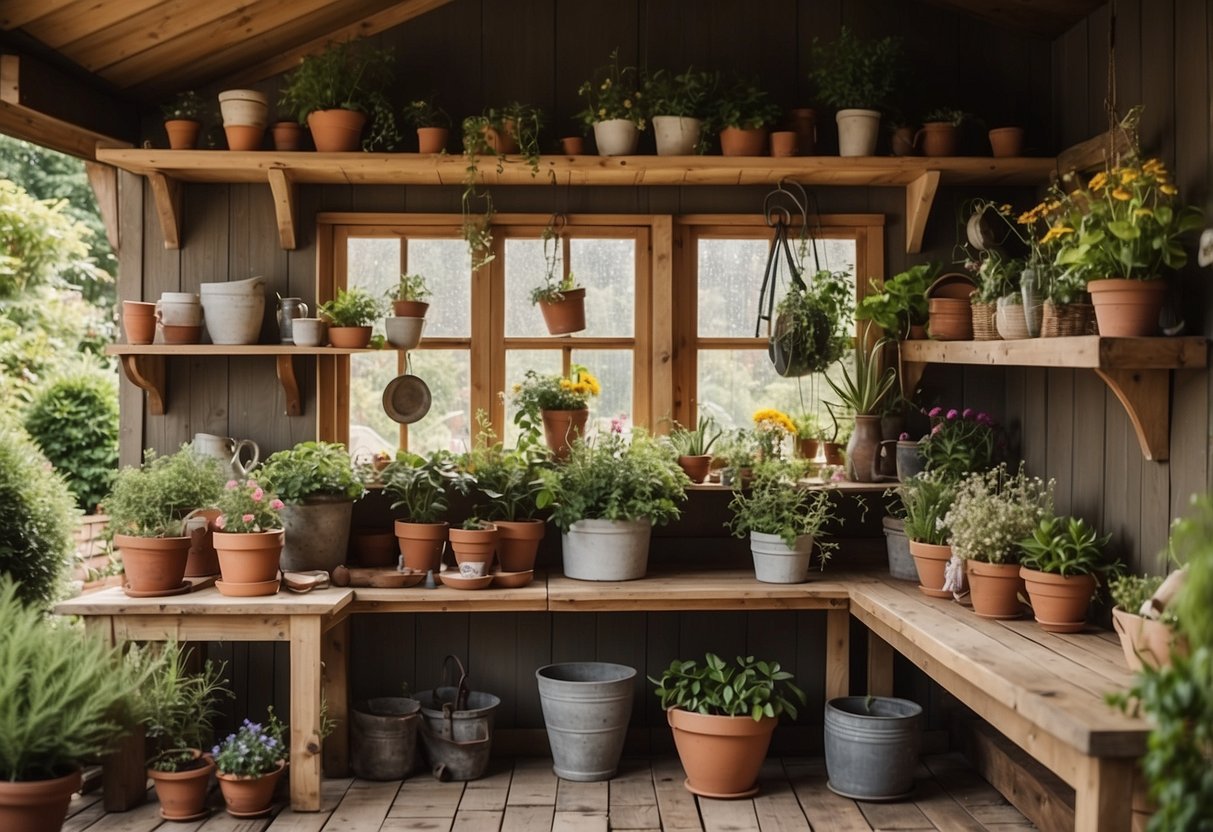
point(166, 191)
point(920, 196)
point(290, 385)
point(147, 373)
point(1146, 397)
point(285, 200)
point(104, 181)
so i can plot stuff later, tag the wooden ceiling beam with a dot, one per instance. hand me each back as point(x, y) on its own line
point(81, 19)
point(16, 13)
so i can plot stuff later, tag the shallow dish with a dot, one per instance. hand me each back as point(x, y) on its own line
point(247, 590)
point(513, 580)
point(455, 582)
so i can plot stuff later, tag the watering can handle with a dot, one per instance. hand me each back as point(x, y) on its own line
point(461, 687)
point(239, 449)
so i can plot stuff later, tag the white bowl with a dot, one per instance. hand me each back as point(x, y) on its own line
point(309, 332)
point(404, 333)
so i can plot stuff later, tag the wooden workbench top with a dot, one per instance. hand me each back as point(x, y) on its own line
point(210, 601)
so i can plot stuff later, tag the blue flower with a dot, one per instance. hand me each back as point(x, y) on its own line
point(215, 751)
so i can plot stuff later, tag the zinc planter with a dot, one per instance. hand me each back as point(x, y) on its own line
point(182, 794)
point(249, 797)
point(606, 550)
point(909, 461)
point(153, 565)
point(422, 544)
point(901, 564)
point(616, 137)
point(1127, 308)
point(775, 562)
point(586, 709)
point(518, 543)
point(721, 755)
point(457, 741)
point(36, 805)
point(317, 534)
point(930, 561)
point(383, 738)
point(994, 589)
point(676, 135)
point(871, 746)
point(857, 132)
point(1059, 603)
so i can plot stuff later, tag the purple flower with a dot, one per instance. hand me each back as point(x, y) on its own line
point(936, 429)
point(215, 751)
point(983, 418)
point(935, 411)
point(967, 413)
point(952, 414)
point(905, 437)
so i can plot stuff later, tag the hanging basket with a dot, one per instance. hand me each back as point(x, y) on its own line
point(1068, 320)
point(983, 321)
point(800, 350)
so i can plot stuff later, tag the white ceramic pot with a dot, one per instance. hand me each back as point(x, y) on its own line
point(309, 332)
point(777, 563)
point(857, 132)
point(234, 310)
point(244, 108)
point(676, 135)
point(616, 137)
point(404, 333)
point(606, 550)
point(179, 309)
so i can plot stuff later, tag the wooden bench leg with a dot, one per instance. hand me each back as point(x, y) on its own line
point(838, 653)
point(305, 713)
point(880, 666)
point(1103, 802)
point(336, 697)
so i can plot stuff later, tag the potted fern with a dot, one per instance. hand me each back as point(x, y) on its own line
point(350, 316)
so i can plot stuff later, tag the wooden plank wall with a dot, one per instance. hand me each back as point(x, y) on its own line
point(478, 52)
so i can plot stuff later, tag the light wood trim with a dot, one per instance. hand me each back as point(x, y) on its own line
point(290, 385)
point(1146, 398)
point(326, 367)
point(729, 589)
point(920, 196)
point(17, 13)
point(880, 666)
point(642, 352)
point(661, 355)
point(838, 654)
point(385, 224)
point(233, 350)
point(533, 598)
point(166, 193)
point(285, 198)
point(304, 771)
point(103, 179)
point(1103, 801)
point(1090, 351)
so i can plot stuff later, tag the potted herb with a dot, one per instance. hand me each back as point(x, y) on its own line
point(409, 306)
point(960, 442)
point(990, 514)
point(249, 763)
point(694, 447)
point(1061, 564)
point(421, 485)
point(736, 453)
point(613, 108)
point(338, 90)
point(183, 120)
point(609, 494)
point(783, 521)
point(317, 483)
point(1146, 641)
point(474, 543)
point(558, 404)
point(432, 123)
point(250, 539)
point(899, 305)
point(940, 132)
point(810, 324)
point(679, 104)
point(861, 393)
point(926, 500)
point(744, 112)
point(723, 715)
point(808, 435)
point(560, 299)
point(350, 316)
point(147, 507)
point(858, 78)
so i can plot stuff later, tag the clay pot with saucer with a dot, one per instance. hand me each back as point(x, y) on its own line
point(153, 565)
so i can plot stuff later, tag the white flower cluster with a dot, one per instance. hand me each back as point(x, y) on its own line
point(995, 510)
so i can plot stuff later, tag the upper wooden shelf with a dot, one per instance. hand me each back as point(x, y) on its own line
point(920, 176)
point(232, 349)
point(1137, 370)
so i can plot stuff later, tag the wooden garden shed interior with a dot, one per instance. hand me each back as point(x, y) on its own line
point(1127, 443)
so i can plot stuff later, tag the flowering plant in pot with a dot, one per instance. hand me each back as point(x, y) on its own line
point(772, 428)
point(1147, 629)
point(990, 514)
point(249, 763)
point(679, 103)
point(351, 315)
point(783, 521)
point(408, 296)
point(250, 539)
point(559, 405)
point(899, 305)
point(421, 486)
point(808, 435)
point(926, 499)
point(560, 299)
point(722, 715)
point(960, 442)
point(613, 107)
point(858, 78)
point(1061, 563)
point(608, 496)
point(432, 123)
point(744, 112)
point(694, 447)
point(183, 117)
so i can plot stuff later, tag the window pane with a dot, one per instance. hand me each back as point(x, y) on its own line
point(370, 428)
point(447, 268)
point(732, 384)
point(607, 268)
point(517, 362)
point(524, 270)
point(449, 423)
point(613, 368)
point(374, 266)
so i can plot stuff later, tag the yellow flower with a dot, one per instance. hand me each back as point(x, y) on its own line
point(1121, 194)
point(1169, 190)
point(1005, 209)
point(606, 85)
point(1154, 166)
point(1099, 180)
point(1056, 233)
point(771, 418)
point(517, 388)
point(1143, 212)
point(627, 103)
point(1128, 175)
point(565, 384)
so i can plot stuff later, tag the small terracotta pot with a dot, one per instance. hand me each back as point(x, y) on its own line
point(696, 467)
point(409, 308)
point(249, 796)
point(1006, 142)
point(244, 136)
point(931, 561)
point(994, 589)
point(804, 124)
point(288, 135)
point(375, 547)
point(182, 133)
point(736, 141)
point(918, 332)
point(350, 337)
point(938, 138)
point(139, 321)
point(721, 755)
point(561, 428)
point(182, 794)
point(505, 141)
point(784, 143)
point(565, 316)
point(336, 131)
point(421, 544)
point(473, 545)
point(518, 543)
point(153, 564)
point(1059, 603)
point(203, 561)
point(1145, 642)
point(1127, 308)
point(36, 805)
point(834, 454)
point(572, 146)
point(902, 142)
point(808, 448)
point(432, 139)
point(249, 558)
point(181, 334)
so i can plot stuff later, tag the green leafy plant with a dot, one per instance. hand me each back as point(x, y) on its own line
point(412, 287)
point(1066, 546)
point(747, 687)
point(851, 73)
point(686, 94)
point(247, 508)
point(554, 286)
point(152, 500)
point(423, 112)
point(997, 276)
point(614, 479)
point(536, 393)
point(353, 307)
point(1131, 592)
point(810, 322)
point(943, 115)
point(808, 426)
point(311, 469)
point(862, 392)
point(254, 749)
point(351, 75)
point(901, 302)
point(421, 485)
point(744, 105)
point(507, 482)
point(736, 450)
point(926, 499)
point(185, 106)
point(776, 505)
point(697, 441)
point(612, 91)
point(994, 510)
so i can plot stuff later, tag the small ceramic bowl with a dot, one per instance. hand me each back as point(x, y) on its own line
point(309, 332)
point(513, 580)
point(455, 582)
point(404, 333)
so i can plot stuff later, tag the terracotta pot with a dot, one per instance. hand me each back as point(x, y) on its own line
point(243, 136)
point(518, 543)
point(182, 794)
point(432, 139)
point(572, 146)
point(421, 544)
point(804, 124)
point(736, 141)
point(721, 755)
point(951, 319)
point(288, 135)
point(139, 321)
point(696, 467)
point(504, 141)
point(409, 308)
point(336, 131)
point(938, 138)
point(375, 547)
point(565, 316)
point(249, 558)
point(473, 545)
point(350, 337)
point(994, 589)
point(249, 796)
point(834, 454)
point(1127, 308)
point(153, 564)
point(1059, 603)
point(902, 142)
point(918, 332)
point(561, 428)
point(808, 448)
point(863, 450)
point(181, 334)
point(931, 561)
point(1006, 142)
point(36, 805)
point(182, 133)
point(783, 143)
point(203, 560)
point(1146, 642)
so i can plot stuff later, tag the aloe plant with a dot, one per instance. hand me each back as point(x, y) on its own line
point(863, 392)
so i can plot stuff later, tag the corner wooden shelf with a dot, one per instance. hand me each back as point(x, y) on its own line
point(919, 176)
point(143, 365)
point(1137, 370)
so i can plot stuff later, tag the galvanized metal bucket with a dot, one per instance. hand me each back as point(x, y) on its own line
point(383, 738)
point(457, 728)
point(586, 708)
point(872, 746)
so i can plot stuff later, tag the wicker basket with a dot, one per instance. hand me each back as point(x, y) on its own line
point(983, 321)
point(1071, 319)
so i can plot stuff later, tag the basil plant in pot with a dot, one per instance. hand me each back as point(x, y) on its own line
point(784, 522)
point(858, 78)
point(318, 485)
point(421, 486)
point(609, 495)
point(722, 715)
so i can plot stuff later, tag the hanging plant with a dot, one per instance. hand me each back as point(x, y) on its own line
point(809, 332)
point(559, 298)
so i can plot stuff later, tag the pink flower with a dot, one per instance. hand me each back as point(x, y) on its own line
point(258, 495)
point(935, 411)
point(231, 484)
point(983, 418)
point(936, 429)
point(220, 522)
point(275, 504)
point(952, 414)
point(251, 484)
point(839, 476)
point(905, 437)
point(967, 413)
point(248, 518)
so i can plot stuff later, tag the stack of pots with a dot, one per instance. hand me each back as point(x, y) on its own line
point(234, 310)
point(407, 323)
point(245, 116)
point(179, 315)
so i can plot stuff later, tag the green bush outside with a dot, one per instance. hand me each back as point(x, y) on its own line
point(74, 420)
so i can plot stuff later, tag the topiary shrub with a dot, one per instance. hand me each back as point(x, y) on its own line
point(40, 517)
point(74, 420)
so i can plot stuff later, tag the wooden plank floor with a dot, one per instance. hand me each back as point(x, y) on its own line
point(524, 796)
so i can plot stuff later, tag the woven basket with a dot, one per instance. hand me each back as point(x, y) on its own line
point(983, 321)
point(1064, 321)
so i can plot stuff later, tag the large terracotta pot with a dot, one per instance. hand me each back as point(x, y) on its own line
point(139, 321)
point(1127, 308)
point(249, 558)
point(721, 754)
point(182, 794)
point(566, 315)
point(336, 131)
point(938, 138)
point(422, 544)
point(931, 561)
point(1006, 142)
point(432, 139)
point(561, 428)
point(696, 467)
point(474, 545)
point(994, 589)
point(1059, 603)
point(36, 805)
point(1146, 642)
point(863, 450)
point(737, 141)
point(182, 133)
point(518, 543)
point(153, 564)
point(248, 797)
